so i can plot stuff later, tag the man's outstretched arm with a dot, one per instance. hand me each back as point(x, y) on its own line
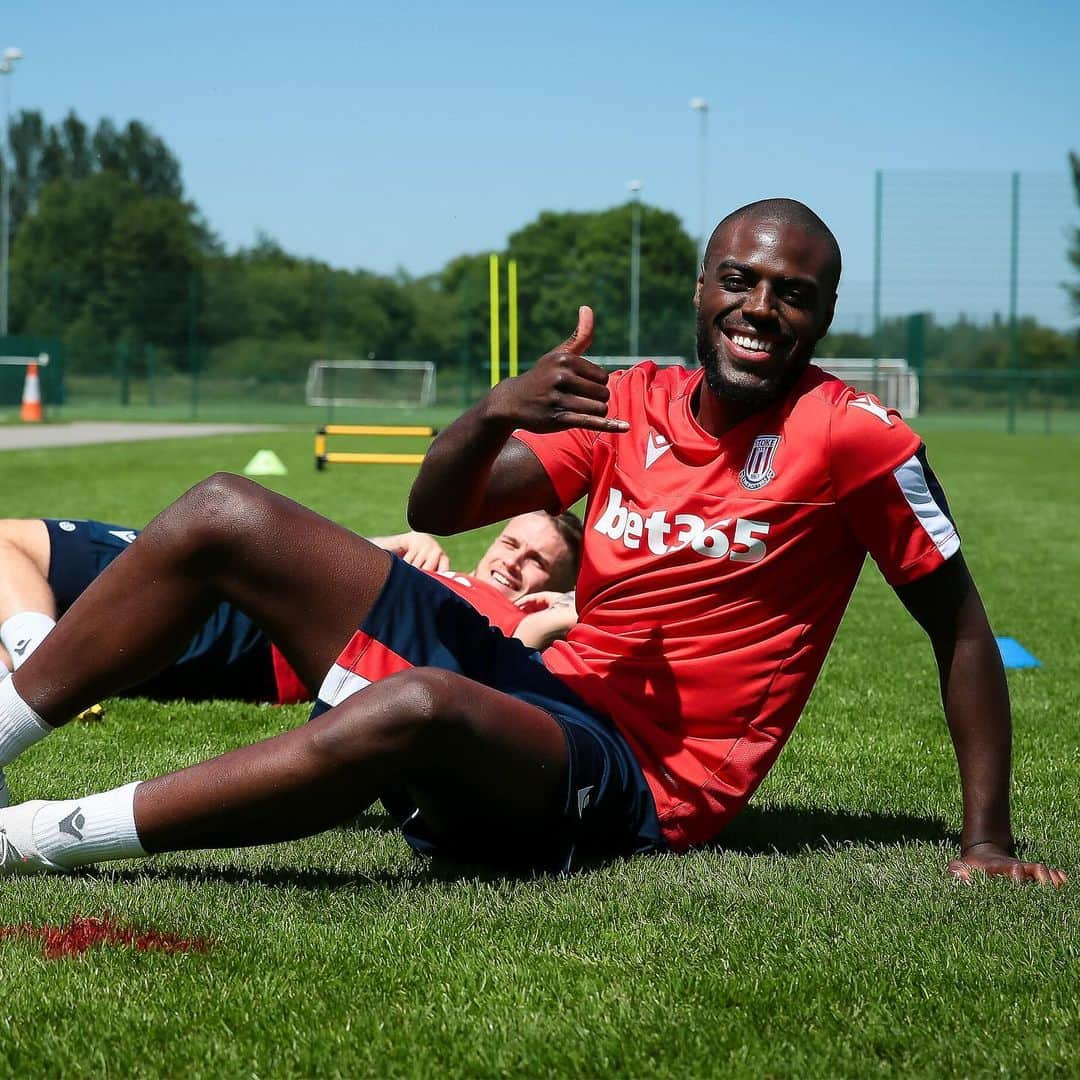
point(474, 473)
point(976, 698)
point(418, 549)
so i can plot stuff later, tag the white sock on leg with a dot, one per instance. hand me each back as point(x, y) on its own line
point(75, 832)
point(23, 633)
point(5, 671)
point(20, 726)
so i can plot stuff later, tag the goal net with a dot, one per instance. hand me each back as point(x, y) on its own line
point(370, 382)
point(890, 379)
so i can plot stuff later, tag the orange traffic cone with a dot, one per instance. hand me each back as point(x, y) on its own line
point(31, 396)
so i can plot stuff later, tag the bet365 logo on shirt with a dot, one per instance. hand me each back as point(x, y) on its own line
point(737, 539)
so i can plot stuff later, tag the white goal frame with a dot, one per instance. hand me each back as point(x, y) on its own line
point(891, 379)
point(42, 360)
point(315, 388)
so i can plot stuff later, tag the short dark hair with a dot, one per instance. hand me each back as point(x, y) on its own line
point(788, 212)
point(572, 532)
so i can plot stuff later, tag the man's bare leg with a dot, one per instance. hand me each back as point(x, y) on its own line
point(27, 605)
point(308, 583)
point(305, 580)
point(466, 753)
point(474, 760)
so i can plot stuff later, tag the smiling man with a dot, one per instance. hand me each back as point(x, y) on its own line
point(729, 512)
point(763, 307)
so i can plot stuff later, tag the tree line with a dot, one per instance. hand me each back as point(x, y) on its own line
point(109, 253)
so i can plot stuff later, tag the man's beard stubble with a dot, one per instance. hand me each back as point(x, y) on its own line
point(754, 397)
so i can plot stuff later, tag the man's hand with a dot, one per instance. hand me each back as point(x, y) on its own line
point(418, 549)
point(475, 473)
point(541, 601)
point(564, 389)
point(996, 861)
point(549, 617)
point(946, 605)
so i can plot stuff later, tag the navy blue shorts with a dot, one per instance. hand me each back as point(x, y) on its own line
point(607, 809)
point(229, 657)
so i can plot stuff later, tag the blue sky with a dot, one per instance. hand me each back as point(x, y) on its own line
point(399, 135)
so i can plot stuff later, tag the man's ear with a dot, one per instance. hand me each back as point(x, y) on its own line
point(698, 287)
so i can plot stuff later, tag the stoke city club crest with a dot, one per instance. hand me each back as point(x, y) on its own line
point(758, 470)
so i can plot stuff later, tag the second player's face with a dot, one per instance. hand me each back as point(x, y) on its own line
point(523, 557)
point(765, 299)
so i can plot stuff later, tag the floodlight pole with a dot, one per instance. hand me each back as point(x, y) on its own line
point(7, 68)
point(701, 107)
point(634, 187)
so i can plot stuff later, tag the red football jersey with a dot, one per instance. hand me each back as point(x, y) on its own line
point(495, 606)
point(715, 571)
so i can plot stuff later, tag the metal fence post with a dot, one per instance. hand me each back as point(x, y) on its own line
point(122, 371)
point(148, 355)
point(916, 340)
point(193, 340)
point(878, 187)
point(1014, 262)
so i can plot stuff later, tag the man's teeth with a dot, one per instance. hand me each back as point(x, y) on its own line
point(751, 343)
point(501, 579)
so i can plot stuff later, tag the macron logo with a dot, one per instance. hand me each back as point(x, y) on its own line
point(872, 406)
point(127, 535)
point(655, 447)
point(73, 823)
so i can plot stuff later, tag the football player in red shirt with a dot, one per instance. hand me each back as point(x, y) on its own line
point(729, 512)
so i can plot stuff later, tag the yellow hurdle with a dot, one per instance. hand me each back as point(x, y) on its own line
point(376, 429)
point(324, 457)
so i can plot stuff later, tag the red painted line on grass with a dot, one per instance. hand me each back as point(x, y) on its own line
point(86, 931)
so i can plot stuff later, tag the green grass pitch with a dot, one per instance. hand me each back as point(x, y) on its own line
point(820, 939)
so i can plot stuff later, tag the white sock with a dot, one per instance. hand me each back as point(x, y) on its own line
point(5, 671)
point(23, 633)
point(74, 832)
point(20, 726)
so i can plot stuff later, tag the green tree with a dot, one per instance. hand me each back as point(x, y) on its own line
point(308, 309)
point(141, 156)
point(465, 280)
point(569, 259)
point(26, 142)
point(42, 153)
point(101, 261)
point(433, 333)
point(151, 254)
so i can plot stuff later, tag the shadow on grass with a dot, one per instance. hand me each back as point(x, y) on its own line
point(756, 831)
point(787, 830)
point(423, 871)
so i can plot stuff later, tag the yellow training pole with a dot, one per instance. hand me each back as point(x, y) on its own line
point(511, 300)
point(493, 279)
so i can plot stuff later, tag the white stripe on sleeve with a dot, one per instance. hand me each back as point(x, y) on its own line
point(912, 480)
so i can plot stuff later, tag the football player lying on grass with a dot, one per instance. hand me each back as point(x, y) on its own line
point(521, 585)
point(730, 509)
